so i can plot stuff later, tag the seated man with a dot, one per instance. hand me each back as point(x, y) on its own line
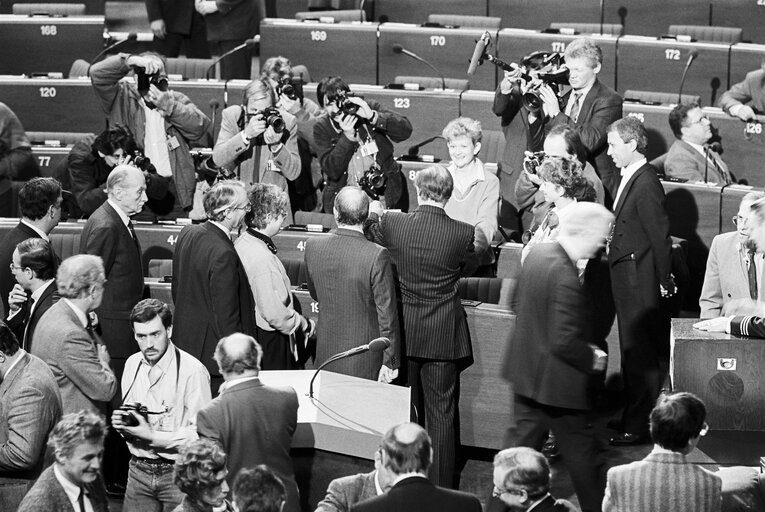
point(689, 158)
point(258, 490)
point(17, 163)
point(92, 159)
point(734, 272)
point(665, 480)
point(164, 122)
point(74, 481)
point(746, 98)
point(522, 482)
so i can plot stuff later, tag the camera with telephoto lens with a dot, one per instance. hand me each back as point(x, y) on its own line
point(144, 80)
point(542, 68)
point(272, 117)
point(135, 407)
point(373, 182)
point(532, 161)
point(143, 162)
point(290, 87)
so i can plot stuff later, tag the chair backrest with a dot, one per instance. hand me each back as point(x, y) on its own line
point(612, 29)
point(65, 244)
point(80, 69)
point(491, 290)
point(509, 261)
point(188, 68)
point(64, 138)
point(707, 33)
point(52, 9)
point(160, 268)
point(343, 15)
point(327, 220)
point(301, 71)
point(665, 98)
point(492, 146)
point(326, 5)
point(462, 20)
point(658, 162)
point(433, 82)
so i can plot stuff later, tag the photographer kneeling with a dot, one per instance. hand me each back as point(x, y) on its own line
point(355, 148)
point(163, 387)
point(259, 140)
point(91, 160)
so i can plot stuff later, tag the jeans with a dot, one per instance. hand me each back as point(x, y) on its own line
point(150, 488)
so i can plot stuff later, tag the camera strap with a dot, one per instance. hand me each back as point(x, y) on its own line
point(177, 373)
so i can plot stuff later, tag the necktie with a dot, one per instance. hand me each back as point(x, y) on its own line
point(91, 330)
point(716, 163)
point(30, 306)
point(575, 107)
point(752, 274)
point(81, 500)
point(135, 237)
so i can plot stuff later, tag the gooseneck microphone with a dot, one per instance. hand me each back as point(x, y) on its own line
point(397, 48)
point(376, 345)
point(691, 57)
point(249, 44)
point(132, 36)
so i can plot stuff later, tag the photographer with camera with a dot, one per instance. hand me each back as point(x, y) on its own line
point(355, 145)
point(589, 107)
point(90, 161)
point(164, 122)
point(163, 387)
point(259, 140)
point(288, 85)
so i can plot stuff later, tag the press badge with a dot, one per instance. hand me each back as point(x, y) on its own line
point(172, 143)
point(369, 148)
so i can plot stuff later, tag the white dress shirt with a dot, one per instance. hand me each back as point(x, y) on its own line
point(627, 173)
point(72, 490)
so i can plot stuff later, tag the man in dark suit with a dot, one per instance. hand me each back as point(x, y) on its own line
point(34, 267)
point(210, 289)
point(352, 279)
point(174, 23)
point(690, 158)
point(252, 421)
point(66, 340)
point(550, 357)
point(639, 259)
point(40, 204)
point(430, 252)
point(30, 406)
point(407, 453)
point(73, 482)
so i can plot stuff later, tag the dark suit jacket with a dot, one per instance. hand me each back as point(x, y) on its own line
point(601, 107)
point(30, 406)
point(47, 494)
point(429, 251)
point(61, 341)
point(641, 235)
point(105, 235)
point(176, 13)
point(418, 494)
point(255, 423)
point(210, 290)
point(23, 325)
point(234, 20)
point(662, 482)
point(8, 244)
point(347, 491)
point(548, 359)
point(352, 278)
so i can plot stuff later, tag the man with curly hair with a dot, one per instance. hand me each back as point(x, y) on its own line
point(200, 473)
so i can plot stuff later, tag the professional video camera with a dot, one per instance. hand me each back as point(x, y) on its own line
point(373, 182)
point(271, 116)
point(290, 87)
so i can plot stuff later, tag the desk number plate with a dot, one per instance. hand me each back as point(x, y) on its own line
point(726, 363)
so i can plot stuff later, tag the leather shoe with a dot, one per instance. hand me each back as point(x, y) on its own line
point(627, 439)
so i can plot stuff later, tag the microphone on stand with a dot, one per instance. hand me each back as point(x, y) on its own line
point(413, 152)
point(478, 53)
point(249, 44)
point(361, 8)
point(691, 57)
point(132, 36)
point(376, 345)
point(397, 48)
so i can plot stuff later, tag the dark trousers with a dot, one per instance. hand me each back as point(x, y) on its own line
point(196, 41)
point(575, 439)
point(236, 65)
point(435, 393)
point(276, 350)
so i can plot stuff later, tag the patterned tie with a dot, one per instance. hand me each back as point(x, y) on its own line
point(715, 159)
point(575, 107)
point(752, 274)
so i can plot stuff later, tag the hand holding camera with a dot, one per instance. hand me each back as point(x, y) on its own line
point(550, 104)
point(347, 123)
point(362, 108)
point(150, 65)
point(254, 127)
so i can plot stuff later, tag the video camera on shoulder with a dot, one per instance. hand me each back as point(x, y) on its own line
point(542, 68)
point(290, 87)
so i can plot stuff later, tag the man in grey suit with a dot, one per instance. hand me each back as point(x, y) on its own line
point(66, 341)
point(352, 279)
point(734, 274)
point(665, 481)
point(30, 406)
point(689, 158)
point(73, 482)
point(253, 422)
point(430, 252)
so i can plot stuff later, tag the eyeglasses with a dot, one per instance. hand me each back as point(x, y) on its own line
point(16, 267)
point(700, 120)
point(246, 207)
point(498, 492)
point(738, 219)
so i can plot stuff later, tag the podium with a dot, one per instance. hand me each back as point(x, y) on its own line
point(347, 415)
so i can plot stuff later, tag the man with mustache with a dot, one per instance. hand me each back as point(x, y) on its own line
point(173, 386)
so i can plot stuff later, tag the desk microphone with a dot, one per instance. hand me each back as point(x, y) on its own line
point(397, 48)
point(130, 37)
point(376, 345)
point(691, 57)
point(249, 44)
point(413, 152)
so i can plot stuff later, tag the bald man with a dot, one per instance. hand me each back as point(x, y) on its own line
point(248, 414)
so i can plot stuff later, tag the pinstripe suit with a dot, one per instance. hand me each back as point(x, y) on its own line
point(662, 482)
point(429, 251)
